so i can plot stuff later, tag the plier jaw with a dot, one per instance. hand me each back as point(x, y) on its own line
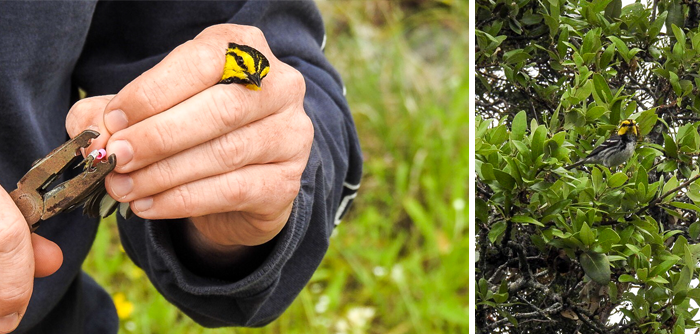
point(37, 203)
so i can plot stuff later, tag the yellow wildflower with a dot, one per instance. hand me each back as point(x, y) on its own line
point(124, 307)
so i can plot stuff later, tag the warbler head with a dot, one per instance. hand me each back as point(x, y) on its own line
point(628, 127)
point(244, 65)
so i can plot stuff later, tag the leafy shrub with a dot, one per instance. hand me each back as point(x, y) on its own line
point(591, 249)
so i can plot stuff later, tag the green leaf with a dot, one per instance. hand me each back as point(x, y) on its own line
point(597, 179)
point(617, 180)
point(694, 192)
point(694, 230)
point(519, 126)
point(679, 34)
point(515, 56)
point(658, 279)
point(482, 210)
point(537, 143)
point(607, 238)
point(626, 278)
point(596, 266)
point(497, 230)
point(622, 48)
point(526, 220)
point(683, 280)
point(655, 27)
point(670, 185)
point(686, 206)
point(594, 113)
point(504, 179)
point(646, 121)
point(663, 267)
point(602, 88)
point(613, 10)
point(607, 56)
point(586, 235)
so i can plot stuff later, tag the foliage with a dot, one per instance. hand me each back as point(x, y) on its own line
point(593, 249)
point(398, 262)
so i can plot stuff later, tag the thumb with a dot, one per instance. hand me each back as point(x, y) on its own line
point(16, 264)
point(23, 256)
point(88, 114)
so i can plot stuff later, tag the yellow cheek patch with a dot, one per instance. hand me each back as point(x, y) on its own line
point(232, 70)
point(248, 60)
point(264, 72)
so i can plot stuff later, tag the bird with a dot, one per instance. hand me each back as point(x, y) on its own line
point(616, 150)
point(244, 65)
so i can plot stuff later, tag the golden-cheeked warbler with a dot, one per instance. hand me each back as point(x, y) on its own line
point(616, 150)
point(244, 65)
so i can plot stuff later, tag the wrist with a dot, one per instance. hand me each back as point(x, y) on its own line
point(207, 258)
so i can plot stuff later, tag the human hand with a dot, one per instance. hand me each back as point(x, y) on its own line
point(23, 256)
point(227, 157)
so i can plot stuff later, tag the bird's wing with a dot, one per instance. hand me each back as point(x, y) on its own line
point(611, 142)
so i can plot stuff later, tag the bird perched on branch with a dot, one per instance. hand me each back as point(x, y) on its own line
point(616, 150)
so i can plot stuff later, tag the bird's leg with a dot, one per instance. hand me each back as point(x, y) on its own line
point(89, 161)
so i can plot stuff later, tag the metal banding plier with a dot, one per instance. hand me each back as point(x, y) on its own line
point(37, 203)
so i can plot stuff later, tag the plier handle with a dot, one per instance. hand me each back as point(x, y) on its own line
point(37, 203)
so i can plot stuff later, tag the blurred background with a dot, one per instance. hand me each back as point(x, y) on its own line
point(398, 263)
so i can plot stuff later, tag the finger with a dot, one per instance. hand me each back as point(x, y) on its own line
point(48, 257)
point(189, 69)
point(16, 264)
point(87, 114)
point(210, 114)
point(277, 138)
point(264, 190)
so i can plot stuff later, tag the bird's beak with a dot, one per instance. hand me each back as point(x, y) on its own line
point(256, 80)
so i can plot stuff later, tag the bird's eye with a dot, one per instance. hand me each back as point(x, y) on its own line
point(239, 61)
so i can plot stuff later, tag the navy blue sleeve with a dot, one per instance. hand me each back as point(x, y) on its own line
point(126, 39)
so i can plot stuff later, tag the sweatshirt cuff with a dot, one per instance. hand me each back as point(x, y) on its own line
point(166, 262)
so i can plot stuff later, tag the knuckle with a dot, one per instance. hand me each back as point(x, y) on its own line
point(215, 29)
point(234, 189)
point(149, 95)
point(202, 62)
point(306, 127)
point(290, 189)
point(160, 138)
point(226, 113)
point(292, 81)
point(183, 199)
point(253, 32)
point(79, 116)
point(228, 151)
point(297, 81)
point(266, 228)
point(163, 175)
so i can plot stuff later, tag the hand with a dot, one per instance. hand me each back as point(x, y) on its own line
point(225, 156)
point(23, 256)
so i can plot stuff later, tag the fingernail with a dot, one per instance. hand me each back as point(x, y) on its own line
point(123, 150)
point(121, 185)
point(9, 322)
point(115, 120)
point(143, 204)
point(93, 127)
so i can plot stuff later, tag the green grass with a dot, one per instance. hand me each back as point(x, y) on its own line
point(399, 262)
